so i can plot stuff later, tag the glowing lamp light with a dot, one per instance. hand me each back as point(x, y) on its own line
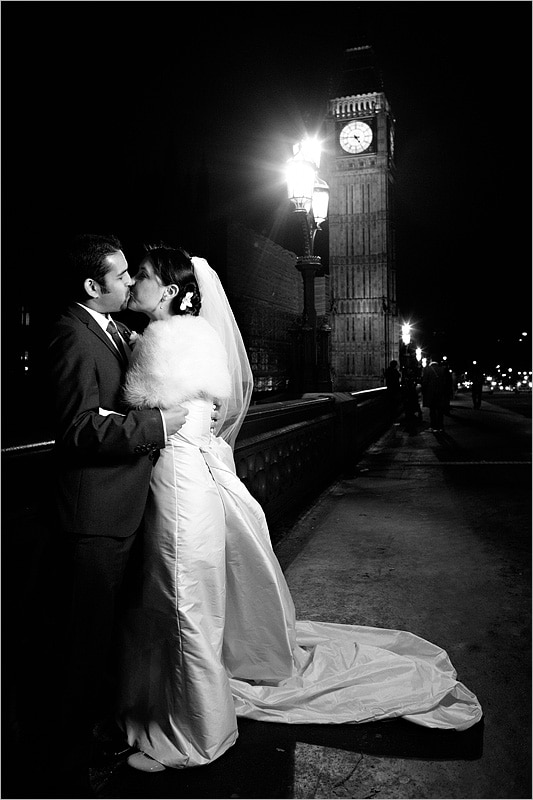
point(300, 183)
point(320, 201)
point(305, 189)
point(406, 333)
point(418, 353)
point(308, 150)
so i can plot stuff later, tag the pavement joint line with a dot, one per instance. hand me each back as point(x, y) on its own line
point(453, 463)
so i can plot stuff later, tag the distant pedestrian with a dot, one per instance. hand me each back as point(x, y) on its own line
point(393, 384)
point(435, 393)
point(478, 379)
point(411, 406)
point(455, 384)
point(448, 376)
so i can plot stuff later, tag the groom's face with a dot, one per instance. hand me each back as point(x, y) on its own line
point(114, 294)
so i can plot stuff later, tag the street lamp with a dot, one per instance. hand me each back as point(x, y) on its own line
point(405, 348)
point(310, 196)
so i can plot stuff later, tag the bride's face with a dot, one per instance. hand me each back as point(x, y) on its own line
point(147, 290)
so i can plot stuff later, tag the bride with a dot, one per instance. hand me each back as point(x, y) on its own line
point(213, 636)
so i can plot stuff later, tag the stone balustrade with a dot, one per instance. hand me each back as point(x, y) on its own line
point(286, 454)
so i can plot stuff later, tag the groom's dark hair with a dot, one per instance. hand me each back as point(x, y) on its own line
point(86, 255)
point(174, 265)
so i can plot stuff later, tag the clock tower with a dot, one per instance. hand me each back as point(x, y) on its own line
point(359, 167)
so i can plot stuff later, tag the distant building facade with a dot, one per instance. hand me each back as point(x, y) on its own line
point(358, 165)
point(266, 294)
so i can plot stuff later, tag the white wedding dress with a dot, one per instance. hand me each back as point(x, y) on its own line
point(215, 636)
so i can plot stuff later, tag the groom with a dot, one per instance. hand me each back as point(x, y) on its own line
point(104, 453)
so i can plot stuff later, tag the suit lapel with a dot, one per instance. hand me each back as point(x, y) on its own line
point(95, 328)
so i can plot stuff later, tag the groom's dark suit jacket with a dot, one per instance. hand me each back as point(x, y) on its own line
point(104, 462)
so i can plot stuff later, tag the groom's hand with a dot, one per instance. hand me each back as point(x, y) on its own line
point(174, 418)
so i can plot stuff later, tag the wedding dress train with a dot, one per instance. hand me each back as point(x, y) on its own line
point(215, 636)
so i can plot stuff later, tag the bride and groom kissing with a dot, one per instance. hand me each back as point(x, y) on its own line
point(209, 632)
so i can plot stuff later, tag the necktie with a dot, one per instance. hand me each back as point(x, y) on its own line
point(115, 335)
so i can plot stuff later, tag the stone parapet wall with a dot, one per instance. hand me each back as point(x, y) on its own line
point(286, 454)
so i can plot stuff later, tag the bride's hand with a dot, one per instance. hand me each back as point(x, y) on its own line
point(215, 414)
point(174, 418)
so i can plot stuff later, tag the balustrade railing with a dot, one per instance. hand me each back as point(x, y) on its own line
point(286, 454)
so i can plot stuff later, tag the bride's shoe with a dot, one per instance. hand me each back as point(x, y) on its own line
point(144, 763)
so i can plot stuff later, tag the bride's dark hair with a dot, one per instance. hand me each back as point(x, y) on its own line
point(174, 265)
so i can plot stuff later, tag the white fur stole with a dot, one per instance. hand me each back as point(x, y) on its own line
point(174, 360)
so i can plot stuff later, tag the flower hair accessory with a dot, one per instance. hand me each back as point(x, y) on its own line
point(186, 302)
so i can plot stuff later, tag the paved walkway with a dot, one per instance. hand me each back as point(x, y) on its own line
point(431, 535)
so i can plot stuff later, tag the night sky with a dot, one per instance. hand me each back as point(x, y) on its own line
point(126, 116)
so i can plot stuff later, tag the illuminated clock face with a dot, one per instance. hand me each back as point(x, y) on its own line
point(356, 137)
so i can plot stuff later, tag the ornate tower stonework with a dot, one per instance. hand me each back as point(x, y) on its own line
point(359, 167)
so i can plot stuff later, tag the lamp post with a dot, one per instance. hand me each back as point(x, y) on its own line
point(310, 197)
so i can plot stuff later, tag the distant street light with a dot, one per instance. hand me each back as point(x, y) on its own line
point(407, 349)
point(310, 197)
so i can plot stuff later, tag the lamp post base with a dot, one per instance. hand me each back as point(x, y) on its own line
point(323, 382)
point(310, 359)
point(303, 360)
